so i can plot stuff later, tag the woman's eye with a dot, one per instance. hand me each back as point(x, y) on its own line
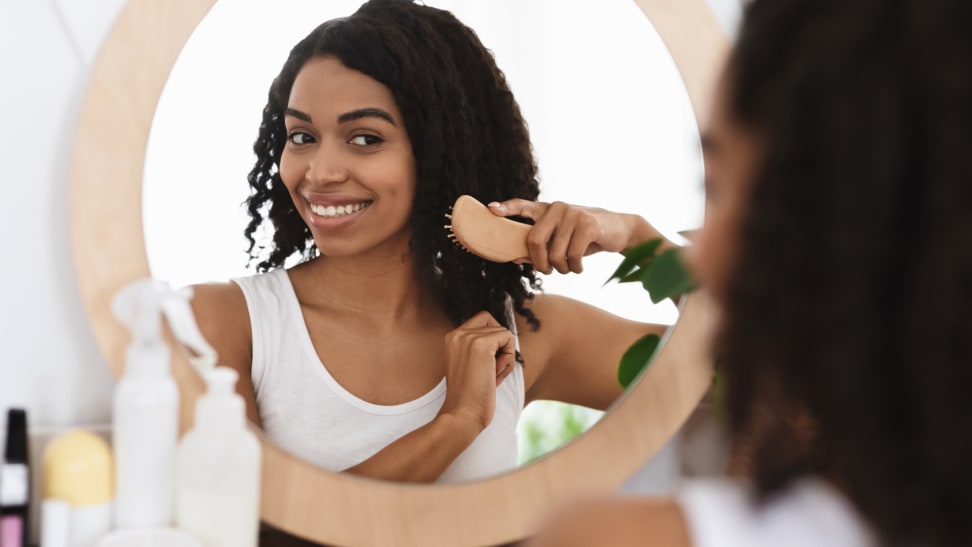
point(300, 138)
point(365, 140)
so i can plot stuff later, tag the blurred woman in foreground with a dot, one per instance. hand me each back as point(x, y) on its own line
point(838, 244)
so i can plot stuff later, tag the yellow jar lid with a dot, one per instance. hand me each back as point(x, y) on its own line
point(78, 469)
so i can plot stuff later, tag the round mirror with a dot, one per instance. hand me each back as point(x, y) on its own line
point(107, 236)
point(610, 130)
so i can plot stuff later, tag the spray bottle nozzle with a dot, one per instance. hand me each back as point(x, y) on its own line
point(138, 305)
point(141, 304)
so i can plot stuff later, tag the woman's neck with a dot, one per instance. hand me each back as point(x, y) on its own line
point(385, 288)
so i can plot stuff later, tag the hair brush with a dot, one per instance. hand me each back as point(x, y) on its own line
point(477, 230)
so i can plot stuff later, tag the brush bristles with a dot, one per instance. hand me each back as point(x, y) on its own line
point(451, 235)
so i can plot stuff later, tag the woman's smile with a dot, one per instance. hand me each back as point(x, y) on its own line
point(330, 211)
point(334, 212)
point(329, 217)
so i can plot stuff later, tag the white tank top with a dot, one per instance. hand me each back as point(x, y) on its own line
point(308, 413)
point(721, 513)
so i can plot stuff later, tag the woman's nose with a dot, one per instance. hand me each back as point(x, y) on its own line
point(327, 166)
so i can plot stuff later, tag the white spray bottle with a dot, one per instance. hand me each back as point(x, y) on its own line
point(145, 414)
point(218, 468)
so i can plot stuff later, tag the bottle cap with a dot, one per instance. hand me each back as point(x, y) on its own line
point(77, 468)
point(139, 306)
point(220, 408)
point(14, 471)
point(16, 449)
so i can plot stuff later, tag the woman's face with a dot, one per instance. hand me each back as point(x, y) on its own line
point(731, 162)
point(348, 162)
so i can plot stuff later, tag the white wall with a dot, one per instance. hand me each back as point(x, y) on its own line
point(50, 363)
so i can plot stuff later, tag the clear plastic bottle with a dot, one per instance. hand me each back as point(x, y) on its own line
point(145, 412)
point(218, 469)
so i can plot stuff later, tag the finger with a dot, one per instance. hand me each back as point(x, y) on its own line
point(503, 363)
point(558, 250)
point(475, 326)
point(561, 242)
point(580, 246)
point(491, 341)
point(507, 343)
point(505, 358)
point(539, 238)
point(517, 207)
point(506, 372)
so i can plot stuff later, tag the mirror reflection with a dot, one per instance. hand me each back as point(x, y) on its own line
point(372, 343)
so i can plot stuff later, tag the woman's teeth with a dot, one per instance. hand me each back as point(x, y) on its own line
point(331, 211)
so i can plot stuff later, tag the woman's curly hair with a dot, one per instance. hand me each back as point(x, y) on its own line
point(466, 131)
point(851, 297)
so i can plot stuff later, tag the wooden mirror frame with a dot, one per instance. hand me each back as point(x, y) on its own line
point(109, 252)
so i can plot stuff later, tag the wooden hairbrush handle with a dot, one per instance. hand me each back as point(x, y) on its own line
point(486, 235)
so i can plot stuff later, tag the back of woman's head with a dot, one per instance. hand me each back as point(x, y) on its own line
point(466, 132)
point(851, 295)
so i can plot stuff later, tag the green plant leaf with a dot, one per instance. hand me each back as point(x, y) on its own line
point(637, 358)
point(632, 277)
point(635, 257)
point(667, 277)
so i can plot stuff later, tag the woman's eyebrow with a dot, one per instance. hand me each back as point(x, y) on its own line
point(297, 114)
point(366, 113)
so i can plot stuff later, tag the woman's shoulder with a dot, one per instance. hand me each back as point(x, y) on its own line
point(554, 308)
point(559, 307)
point(619, 522)
point(217, 298)
point(808, 512)
point(224, 320)
point(220, 309)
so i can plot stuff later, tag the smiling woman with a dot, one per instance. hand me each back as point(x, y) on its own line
point(388, 116)
point(478, 515)
point(539, 54)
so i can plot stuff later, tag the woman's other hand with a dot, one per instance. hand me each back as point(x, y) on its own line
point(563, 234)
point(479, 354)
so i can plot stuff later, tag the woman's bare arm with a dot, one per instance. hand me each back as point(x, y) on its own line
point(624, 522)
point(224, 320)
point(579, 348)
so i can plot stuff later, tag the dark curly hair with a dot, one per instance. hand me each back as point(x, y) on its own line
point(850, 301)
point(466, 131)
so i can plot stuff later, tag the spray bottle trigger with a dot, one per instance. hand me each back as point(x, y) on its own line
point(179, 314)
